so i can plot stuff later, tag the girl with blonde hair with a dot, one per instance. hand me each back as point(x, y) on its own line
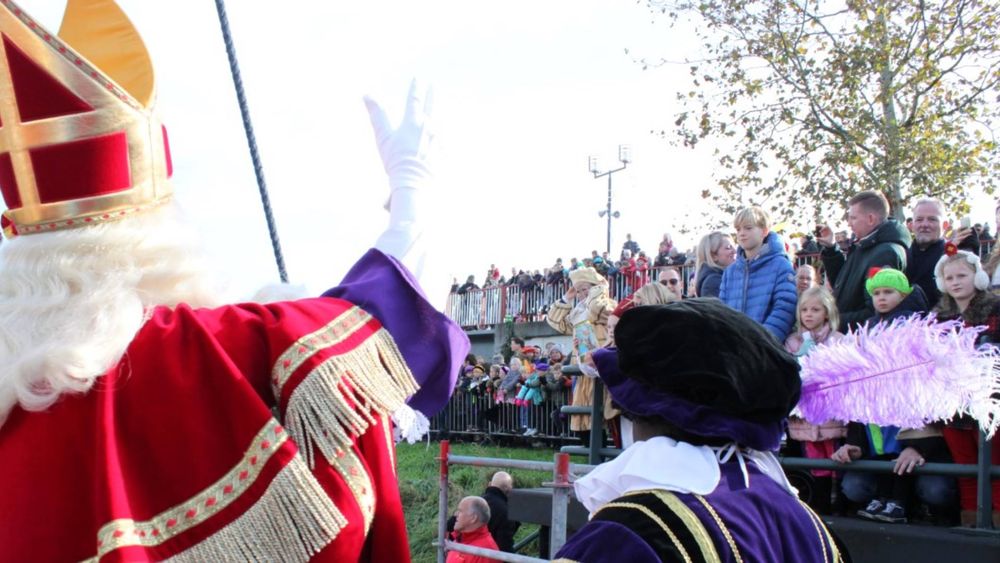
point(816, 324)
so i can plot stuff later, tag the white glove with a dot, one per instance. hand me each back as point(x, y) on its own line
point(405, 152)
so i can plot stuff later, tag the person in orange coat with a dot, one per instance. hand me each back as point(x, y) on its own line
point(471, 520)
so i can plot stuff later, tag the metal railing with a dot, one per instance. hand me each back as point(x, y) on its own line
point(560, 485)
point(483, 411)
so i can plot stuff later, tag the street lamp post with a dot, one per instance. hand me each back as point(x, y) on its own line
point(625, 157)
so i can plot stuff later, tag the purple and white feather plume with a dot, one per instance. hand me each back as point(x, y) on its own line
point(908, 373)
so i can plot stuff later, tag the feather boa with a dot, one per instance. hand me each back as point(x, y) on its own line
point(908, 373)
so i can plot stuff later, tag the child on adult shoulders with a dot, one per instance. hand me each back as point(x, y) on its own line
point(892, 295)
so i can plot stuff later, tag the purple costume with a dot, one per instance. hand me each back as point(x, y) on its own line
point(659, 373)
point(733, 523)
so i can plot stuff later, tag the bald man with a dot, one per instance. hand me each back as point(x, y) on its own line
point(501, 528)
point(471, 519)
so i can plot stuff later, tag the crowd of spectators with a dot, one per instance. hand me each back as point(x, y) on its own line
point(521, 396)
point(633, 266)
point(881, 271)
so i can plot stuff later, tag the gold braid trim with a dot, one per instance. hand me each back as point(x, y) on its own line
point(292, 521)
point(691, 520)
point(722, 527)
point(306, 506)
point(823, 532)
point(652, 516)
point(340, 398)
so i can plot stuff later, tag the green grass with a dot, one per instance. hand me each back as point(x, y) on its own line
point(419, 472)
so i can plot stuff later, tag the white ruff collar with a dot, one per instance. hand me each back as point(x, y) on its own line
point(664, 463)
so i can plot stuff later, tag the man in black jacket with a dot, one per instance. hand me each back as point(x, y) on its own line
point(500, 527)
point(880, 243)
point(927, 248)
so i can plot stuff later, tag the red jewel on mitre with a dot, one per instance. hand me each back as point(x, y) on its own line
point(873, 270)
point(950, 249)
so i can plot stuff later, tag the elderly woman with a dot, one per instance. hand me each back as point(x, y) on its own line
point(587, 322)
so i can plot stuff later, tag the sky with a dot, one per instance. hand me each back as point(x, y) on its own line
point(524, 92)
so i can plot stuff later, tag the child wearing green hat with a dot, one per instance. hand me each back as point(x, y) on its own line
point(892, 295)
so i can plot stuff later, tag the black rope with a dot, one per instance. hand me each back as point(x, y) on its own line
point(258, 169)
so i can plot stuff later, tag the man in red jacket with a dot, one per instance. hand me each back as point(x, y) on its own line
point(471, 529)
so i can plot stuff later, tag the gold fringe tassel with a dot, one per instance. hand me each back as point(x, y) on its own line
point(292, 521)
point(340, 398)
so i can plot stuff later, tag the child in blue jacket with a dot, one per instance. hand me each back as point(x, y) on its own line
point(761, 282)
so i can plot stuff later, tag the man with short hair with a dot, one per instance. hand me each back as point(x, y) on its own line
point(671, 278)
point(471, 529)
point(880, 242)
point(630, 245)
point(927, 247)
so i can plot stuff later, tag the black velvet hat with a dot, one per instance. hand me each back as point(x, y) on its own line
point(708, 354)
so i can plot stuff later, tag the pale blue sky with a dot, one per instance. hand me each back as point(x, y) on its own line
point(524, 92)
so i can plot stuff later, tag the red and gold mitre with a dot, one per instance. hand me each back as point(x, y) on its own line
point(79, 141)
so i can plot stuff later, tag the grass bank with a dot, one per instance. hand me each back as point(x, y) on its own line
point(418, 486)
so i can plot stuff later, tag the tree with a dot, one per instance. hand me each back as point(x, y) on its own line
point(809, 101)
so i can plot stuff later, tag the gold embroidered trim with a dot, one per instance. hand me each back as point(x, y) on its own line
point(333, 333)
point(693, 523)
point(339, 398)
point(292, 521)
point(822, 532)
point(359, 481)
point(722, 527)
point(652, 516)
point(127, 532)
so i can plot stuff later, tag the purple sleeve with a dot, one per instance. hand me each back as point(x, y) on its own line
point(431, 343)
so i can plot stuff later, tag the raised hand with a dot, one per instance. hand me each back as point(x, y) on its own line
point(406, 153)
point(406, 149)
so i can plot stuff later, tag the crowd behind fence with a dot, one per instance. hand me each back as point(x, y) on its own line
point(494, 305)
point(482, 411)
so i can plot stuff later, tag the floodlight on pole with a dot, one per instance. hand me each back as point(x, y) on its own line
point(625, 157)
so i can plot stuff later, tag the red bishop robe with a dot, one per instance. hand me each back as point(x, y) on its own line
point(175, 452)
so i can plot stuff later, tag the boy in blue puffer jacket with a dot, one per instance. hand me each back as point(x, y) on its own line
point(761, 282)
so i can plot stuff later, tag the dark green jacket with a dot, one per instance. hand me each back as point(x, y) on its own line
point(885, 247)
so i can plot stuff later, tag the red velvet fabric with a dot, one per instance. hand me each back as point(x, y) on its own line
point(83, 168)
point(8, 183)
point(39, 95)
point(173, 417)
